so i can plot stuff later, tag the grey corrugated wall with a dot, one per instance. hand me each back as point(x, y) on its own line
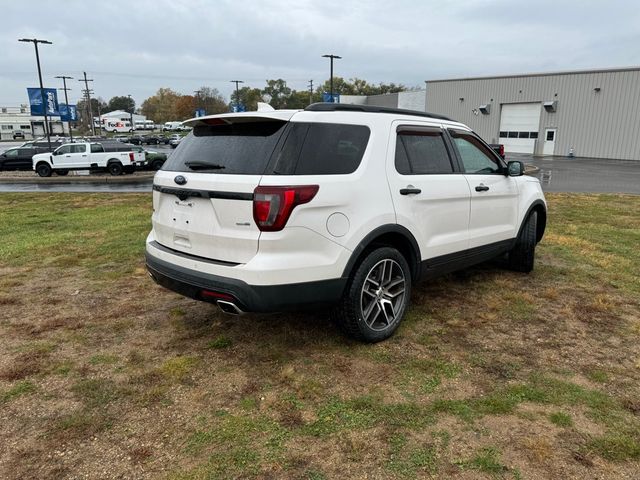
point(604, 124)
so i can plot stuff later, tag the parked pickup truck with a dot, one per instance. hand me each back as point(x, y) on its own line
point(86, 156)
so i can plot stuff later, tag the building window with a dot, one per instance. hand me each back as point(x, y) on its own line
point(503, 134)
point(7, 127)
point(25, 127)
point(523, 134)
point(533, 134)
point(4, 110)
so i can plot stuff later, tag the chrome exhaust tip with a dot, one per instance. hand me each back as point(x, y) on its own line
point(229, 307)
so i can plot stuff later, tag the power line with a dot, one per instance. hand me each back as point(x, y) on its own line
point(88, 92)
point(66, 99)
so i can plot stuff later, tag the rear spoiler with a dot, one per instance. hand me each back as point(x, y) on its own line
point(245, 117)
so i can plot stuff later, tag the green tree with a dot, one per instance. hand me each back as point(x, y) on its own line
point(121, 103)
point(278, 93)
point(249, 97)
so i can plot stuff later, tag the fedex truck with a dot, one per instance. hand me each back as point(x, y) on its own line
point(116, 125)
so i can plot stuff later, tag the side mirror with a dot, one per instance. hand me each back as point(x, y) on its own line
point(515, 168)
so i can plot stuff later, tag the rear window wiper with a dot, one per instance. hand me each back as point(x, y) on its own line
point(201, 165)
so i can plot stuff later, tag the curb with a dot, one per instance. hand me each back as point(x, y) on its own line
point(144, 178)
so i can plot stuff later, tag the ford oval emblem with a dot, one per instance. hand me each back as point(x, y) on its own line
point(180, 180)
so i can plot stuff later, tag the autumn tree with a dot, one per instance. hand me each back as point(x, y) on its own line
point(161, 107)
point(185, 107)
point(211, 101)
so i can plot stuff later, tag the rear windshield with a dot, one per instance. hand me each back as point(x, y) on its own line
point(272, 148)
point(320, 149)
point(239, 148)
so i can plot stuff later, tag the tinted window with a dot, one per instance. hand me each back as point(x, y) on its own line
point(11, 153)
point(321, 149)
point(78, 148)
point(239, 148)
point(419, 153)
point(95, 148)
point(476, 158)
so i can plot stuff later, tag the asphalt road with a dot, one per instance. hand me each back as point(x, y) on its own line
point(556, 174)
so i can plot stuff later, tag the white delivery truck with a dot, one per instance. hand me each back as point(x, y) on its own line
point(174, 127)
point(88, 156)
point(119, 126)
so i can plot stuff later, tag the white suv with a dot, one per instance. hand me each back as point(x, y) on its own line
point(345, 205)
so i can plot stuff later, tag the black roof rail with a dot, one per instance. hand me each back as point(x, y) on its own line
point(348, 107)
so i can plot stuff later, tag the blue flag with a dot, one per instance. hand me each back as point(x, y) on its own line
point(50, 101)
point(68, 113)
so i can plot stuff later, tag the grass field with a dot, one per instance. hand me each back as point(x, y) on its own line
point(493, 374)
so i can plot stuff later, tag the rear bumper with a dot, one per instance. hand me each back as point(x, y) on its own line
point(249, 298)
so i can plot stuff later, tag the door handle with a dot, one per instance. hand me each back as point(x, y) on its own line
point(84, 155)
point(482, 188)
point(410, 190)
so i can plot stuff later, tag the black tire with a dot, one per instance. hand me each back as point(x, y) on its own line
point(43, 169)
point(522, 255)
point(115, 168)
point(364, 310)
point(156, 164)
point(62, 173)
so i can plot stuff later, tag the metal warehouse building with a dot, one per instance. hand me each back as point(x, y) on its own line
point(591, 113)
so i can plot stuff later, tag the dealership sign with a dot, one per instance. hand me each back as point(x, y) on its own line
point(50, 101)
point(68, 113)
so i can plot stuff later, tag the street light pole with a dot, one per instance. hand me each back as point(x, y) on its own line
point(35, 42)
point(66, 99)
point(237, 91)
point(131, 115)
point(331, 57)
point(310, 92)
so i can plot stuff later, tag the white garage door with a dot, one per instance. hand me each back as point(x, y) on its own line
point(519, 124)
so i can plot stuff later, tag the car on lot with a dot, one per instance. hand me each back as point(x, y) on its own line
point(136, 140)
point(109, 156)
point(152, 160)
point(121, 138)
point(18, 158)
point(18, 135)
point(174, 140)
point(151, 140)
point(340, 205)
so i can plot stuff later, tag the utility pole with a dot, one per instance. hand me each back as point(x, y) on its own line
point(310, 92)
point(131, 115)
point(35, 42)
point(86, 85)
point(196, 98)
point(331, 57)
point(66, 99)
point(237, 91)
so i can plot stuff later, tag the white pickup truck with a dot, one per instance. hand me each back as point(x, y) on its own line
point(87, 156)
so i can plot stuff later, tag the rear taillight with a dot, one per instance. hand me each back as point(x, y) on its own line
point(272, 206)
point(131, 156)
point(502, 150)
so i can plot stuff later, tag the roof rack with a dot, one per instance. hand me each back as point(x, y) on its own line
point(348, 107)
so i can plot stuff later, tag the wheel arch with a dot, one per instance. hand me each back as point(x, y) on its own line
point(391, 235)
point(540, 208)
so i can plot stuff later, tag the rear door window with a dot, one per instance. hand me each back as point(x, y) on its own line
point(237, 148)
point(321, 149)
point(79, 148)
point(421, 151)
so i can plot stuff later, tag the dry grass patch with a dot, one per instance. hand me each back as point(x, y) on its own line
point(492, 375)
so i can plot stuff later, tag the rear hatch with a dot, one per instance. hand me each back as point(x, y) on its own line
point(203, 195)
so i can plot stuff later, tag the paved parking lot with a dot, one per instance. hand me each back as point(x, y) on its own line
point(585, 175)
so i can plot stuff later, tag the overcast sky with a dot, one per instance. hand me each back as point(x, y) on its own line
point(138, 46)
